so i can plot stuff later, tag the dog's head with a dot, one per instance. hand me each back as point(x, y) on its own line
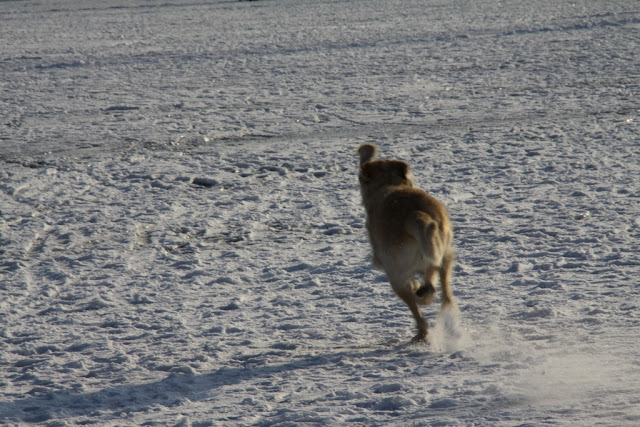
point(376, 174)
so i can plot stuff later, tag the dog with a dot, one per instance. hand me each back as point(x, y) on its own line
point(410, 234)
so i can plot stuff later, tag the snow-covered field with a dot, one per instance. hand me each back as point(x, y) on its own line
point(181, 235)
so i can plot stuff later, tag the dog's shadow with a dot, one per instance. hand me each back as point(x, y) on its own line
point(176, 387)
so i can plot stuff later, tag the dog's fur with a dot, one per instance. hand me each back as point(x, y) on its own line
point(409, 231)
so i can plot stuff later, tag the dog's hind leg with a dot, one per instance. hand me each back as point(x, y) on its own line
point(446, 294)
point(427, 292)
point(407, 295)
point(425, 231)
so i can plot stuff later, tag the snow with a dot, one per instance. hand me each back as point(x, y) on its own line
point(181, 233)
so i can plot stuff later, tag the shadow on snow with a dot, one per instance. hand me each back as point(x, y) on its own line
point(170, 391)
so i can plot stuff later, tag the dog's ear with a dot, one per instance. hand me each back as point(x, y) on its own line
point(367, 152)
point(400, 169)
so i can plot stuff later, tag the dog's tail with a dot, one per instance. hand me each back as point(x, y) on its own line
point(367, 152)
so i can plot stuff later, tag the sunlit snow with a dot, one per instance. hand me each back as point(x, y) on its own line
point(182, 240)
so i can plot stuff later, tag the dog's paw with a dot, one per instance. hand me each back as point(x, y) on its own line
point(427, 290)
point(421, 338)
point(425, 294)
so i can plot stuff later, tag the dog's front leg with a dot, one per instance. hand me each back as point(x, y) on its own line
point(407, 295)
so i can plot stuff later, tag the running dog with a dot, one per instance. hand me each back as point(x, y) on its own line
point(409, 231)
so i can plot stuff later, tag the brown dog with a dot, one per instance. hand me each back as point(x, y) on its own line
point(409, 231)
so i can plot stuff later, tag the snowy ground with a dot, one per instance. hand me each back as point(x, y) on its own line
point(181, 236)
